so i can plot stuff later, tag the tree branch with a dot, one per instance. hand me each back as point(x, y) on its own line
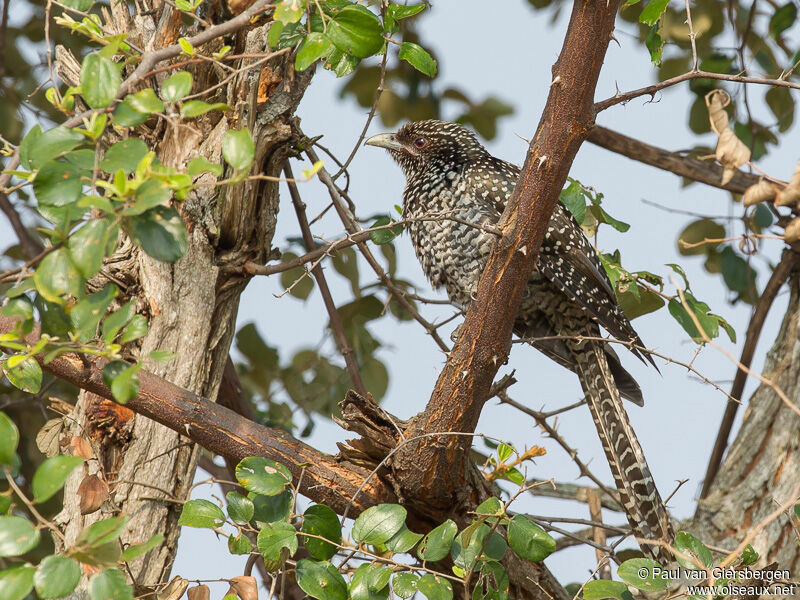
point(335, 320)
point(691, 168)
point(651, 90)
point(779, 276)
point(439, 467)
point(30, 245)
point(222, 431)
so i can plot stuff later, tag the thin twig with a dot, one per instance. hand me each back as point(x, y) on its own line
point(337, 327)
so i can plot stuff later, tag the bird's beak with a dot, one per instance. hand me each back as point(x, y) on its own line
point(385, 140)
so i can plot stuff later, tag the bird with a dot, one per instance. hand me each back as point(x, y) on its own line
point(454, 195)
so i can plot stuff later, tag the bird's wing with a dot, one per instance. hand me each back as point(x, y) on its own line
point(568, 260)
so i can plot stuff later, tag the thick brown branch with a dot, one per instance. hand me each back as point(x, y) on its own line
point(779, 276)
point(691, 168)
point(439, 466)
point(226, 433)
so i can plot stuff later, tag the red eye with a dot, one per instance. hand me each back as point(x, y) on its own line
point(420, 142)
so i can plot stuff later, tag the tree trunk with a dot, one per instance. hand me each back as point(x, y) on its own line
point(760, 471)
point(191, 304)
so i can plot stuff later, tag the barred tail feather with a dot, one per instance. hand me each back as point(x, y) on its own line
point(643, 506)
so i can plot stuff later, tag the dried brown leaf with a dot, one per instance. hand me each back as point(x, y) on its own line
point(760, 192)
point(81, 447)
point(174, 589)
point(49, 436)
point(790, 195)
point(792, 232)
point(731, 152)
point(245, 587)
point(92, 491)
point(199, 592)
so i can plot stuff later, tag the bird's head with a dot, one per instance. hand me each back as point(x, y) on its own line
point(423, 145)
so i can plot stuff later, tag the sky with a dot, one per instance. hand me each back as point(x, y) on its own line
point(507, 50)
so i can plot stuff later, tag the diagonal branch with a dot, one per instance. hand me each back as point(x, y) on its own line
point(440, 467)
point(30, 245)
point(222, 431)
point(691, 168)
point(335, 320)
point(779, 276)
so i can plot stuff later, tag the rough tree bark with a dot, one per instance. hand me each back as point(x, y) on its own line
point(760, 471)
point(191, 305)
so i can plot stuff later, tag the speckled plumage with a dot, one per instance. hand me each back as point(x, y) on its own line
point(450, 174)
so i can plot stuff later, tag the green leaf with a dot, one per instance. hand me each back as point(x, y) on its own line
point(56, 576)
point(689, 240)
point(5, 502)
point(262, 476)
point(321, 580)
point(238, 148)
point(599, 589)
point(396, 12)
point(574, 199)
point(9, 438)
point(274, 35)
point(405, 584)
point(528, 540)
point(655, 45)
point(708, 321)
point(739, 276)
point(749, 555)
point(37, 147)
point(201, 513)
point(436, 545)
point(110, 584)
point(134, 551)
point(103, 532)
point(135, 329)
point(240, 508)
point(25, 374)
point(87, 246)
point(195, 108)
point(378, 524)
point(320, 520)
point(176, 86)
point(467, 546)
point(20, 308)
point(269, 509)
point(360, 584)
point(289, 11)
point(200, 165)
point(240, 544)
point(57, 184)
point(341, 63)
point(150, 194)
point(100, 80)
point(418, 57)
point(124, 155)
point(305, 284)
point(687, 544)
point(641, 573)
point(383, 236)
point(17, 536)
point(434, 587)
point(51, 476)
point(782, 19)
point(313, 47)
point(56, 276)
point(274, 537)
point(653, 11)
point(117, 320)
point(160, 232)
point(86, 314)
point(504, 452)
point(403, 541)
point(125, 115)
point(122, 379)
point(16, 582)
point(356, 30)
point(145, 101)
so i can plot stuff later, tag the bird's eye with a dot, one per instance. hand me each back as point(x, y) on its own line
point(420, 142)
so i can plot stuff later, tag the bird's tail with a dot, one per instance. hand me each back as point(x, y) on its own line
point(639, 496)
